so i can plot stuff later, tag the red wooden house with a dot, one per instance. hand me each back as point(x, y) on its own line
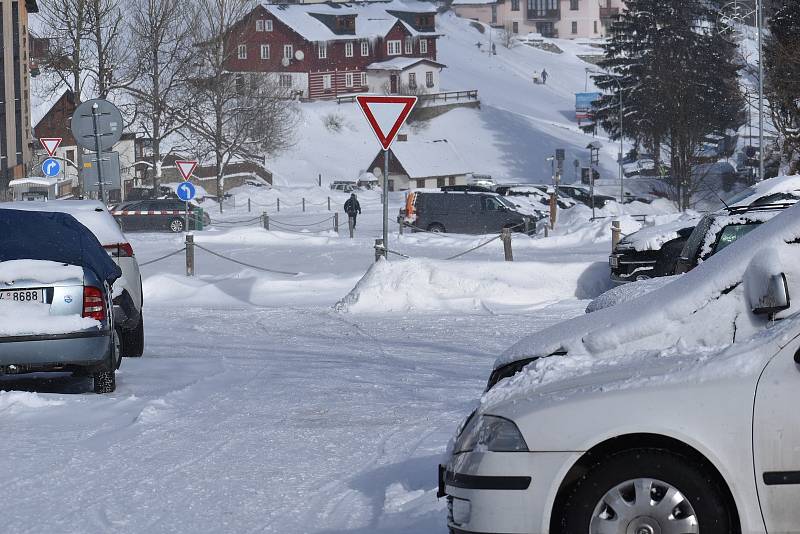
point(323, 50)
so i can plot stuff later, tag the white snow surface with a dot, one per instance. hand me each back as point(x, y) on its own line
point(628, 292)
point(45, 272)
point(654, 237)
point(22, 318)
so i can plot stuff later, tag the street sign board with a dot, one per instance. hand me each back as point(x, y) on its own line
point(186, 168)
point(51, 167)
point(186, 191)
point(51, 144)
point(110, 168)
point(107, 118)
point(386, 114)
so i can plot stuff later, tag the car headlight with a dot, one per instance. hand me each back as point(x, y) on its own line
point(488, 433)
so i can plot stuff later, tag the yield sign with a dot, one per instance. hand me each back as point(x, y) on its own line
point(386, 114)
point(51, 144)
point(186, 169)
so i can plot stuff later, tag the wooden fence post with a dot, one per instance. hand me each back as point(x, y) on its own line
point(265, 220)
point(527, 222)
point(304, 204)
point(507, 244)
point(380, 252)
point(616, 234)
point(336, 222)
point(248, 204)
point(329, 203)
point(189, 255)
point(279, 205)
point(402, 220)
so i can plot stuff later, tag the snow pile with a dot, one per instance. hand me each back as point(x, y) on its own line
point(25, 318)
point(45, 272)
point(431, 285)
point(12, 402)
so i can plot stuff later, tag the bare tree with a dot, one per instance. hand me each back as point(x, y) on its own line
point(245, 116)
point(162, 52)
point(109, 52)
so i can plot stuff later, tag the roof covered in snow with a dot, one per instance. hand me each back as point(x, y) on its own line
point(427, 159)
point(473, 2)
point(402, 63)
point(372, 19)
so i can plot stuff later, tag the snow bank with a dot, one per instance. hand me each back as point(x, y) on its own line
point(21, 319)
point(431, 285)
point(19, 401)
point(45, 272)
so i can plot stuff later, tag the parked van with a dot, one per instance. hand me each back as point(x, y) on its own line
point(672, 412)
point(463, 213)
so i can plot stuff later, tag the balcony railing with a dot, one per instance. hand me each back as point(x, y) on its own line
point(609, 12)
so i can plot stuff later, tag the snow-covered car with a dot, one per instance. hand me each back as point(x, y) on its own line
point(56, 298)
point(127, 292)
point(651, 252)
point(584, 196)
point(537, 194)
point(771, 191)
point(673, 412)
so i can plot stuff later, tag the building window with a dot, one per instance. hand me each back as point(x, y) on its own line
point(429, 79)
point(348, 79)
point(514, 5)
point(451, 180)
point(440, 182)
point(288, 51)
point(542, 8)
point(494, 13)
point(412, 80)
point(264, 51)
point(268, 25)
point(364, 48)
point(242, 51)
point(573, 5)
point(420, 184)
point(393, 48)
point(574, 27)
point(515, 27)
point(260, 25)
point(409, 46)
point(363, 79)
point(423, 46)
point(322, 50)
point(285, 80)
point(348, 49)
point(327, 82)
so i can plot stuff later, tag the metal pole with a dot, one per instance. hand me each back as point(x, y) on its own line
point(186, 216)
point(760, 16)
point(621, 148)
point(99, 152)
point(386, 201)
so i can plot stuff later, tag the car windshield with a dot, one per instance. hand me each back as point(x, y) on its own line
point(733, 232)
point(507, 203)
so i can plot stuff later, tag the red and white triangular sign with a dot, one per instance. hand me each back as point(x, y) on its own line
point(51, 144)
point(186, 168)
point(386, 114)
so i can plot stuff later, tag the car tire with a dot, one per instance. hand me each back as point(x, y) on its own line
point(176, 226)
point(105, 379)
point(624, 476)
point(436, 228)
point(132, 341)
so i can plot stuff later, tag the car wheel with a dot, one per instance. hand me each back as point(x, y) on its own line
point(646, 491)
point(133, 341)
point(436, 228)
point(105, 380)
point(176, 226)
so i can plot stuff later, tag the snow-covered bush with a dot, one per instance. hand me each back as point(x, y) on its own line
point(333, 122)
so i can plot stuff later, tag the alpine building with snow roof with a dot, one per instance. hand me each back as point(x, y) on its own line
point(322, 50)
point(422, 164)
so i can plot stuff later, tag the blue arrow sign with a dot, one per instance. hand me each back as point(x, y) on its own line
point(51, 167)
point(186, 191)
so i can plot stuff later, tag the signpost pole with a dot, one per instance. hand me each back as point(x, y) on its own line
point(385, 204)
point(99, 152)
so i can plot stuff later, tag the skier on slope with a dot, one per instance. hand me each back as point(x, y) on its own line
point(352, 208)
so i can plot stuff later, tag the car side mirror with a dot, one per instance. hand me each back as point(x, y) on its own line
point(775, 298)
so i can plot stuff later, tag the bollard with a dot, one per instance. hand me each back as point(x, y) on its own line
point(507, 244)
point(350, 224)
point(279, 205)
point(304, 204)
point(616, 233)
point(189, 255)
point(329, 203)
point(546, 230)
point(380, 252)
point(265, 220)
point(527, 222)
point(220, 205)
point(402, 220)
point(320, 180)
point(248, 204)
point(336, 222)
point(553, 210)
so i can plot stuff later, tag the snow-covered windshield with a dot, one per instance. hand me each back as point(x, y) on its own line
point(507, 203)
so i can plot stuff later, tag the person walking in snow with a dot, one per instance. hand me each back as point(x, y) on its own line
point(544, 77)
point(352, 208)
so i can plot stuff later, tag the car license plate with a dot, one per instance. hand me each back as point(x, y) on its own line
point(613, 261)
point(23, 295)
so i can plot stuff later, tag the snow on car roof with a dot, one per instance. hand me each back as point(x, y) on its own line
point(779, 184)
point(654, 237)
point(43, 271)
point(701, 308)
point(90, 213)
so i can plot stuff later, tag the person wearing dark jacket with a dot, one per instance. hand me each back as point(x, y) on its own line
point(352, 208)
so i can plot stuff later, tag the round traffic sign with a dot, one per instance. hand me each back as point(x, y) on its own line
point(186, 191)
point(51, 167)
point(109, 124)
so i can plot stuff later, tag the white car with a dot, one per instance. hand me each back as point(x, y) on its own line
point(672, 413)
point(127, 290)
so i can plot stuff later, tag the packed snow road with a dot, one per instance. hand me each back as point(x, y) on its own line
point(251, 419)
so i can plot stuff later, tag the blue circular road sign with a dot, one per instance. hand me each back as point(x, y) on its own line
point(186, 191)
point(51, 167)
